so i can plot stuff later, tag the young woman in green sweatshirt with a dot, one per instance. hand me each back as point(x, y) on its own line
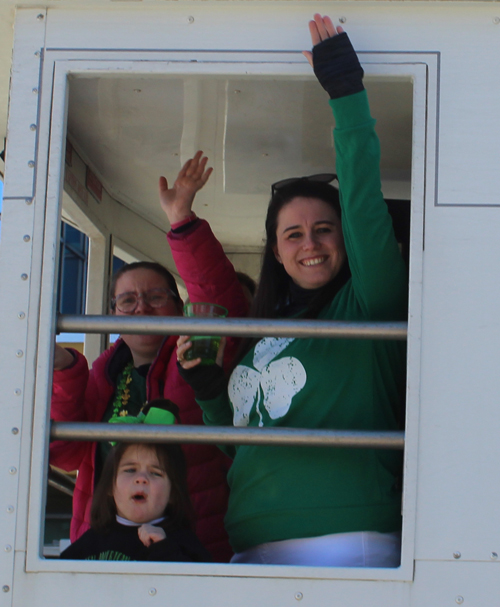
point(330, 254)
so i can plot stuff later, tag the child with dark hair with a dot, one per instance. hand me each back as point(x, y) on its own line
point(141, 510)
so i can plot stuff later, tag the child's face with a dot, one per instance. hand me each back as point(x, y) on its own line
point(142, 487)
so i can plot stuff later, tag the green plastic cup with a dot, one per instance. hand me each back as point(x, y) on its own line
point(204, 346)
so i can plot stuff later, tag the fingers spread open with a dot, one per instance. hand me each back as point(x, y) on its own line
point(322, 28)
point(313, 30)
point(206, 175)
point(329, 27)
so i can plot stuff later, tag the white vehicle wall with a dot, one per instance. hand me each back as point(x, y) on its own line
point(441, 60)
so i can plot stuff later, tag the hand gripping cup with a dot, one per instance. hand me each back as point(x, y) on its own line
point(204, 346)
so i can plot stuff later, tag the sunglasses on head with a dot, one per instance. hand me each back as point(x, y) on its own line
point(320, 177)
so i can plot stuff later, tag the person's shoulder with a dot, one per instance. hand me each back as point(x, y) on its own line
point(83, 546)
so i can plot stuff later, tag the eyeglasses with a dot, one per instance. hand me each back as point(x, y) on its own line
point(155, 298)
point(320, 177)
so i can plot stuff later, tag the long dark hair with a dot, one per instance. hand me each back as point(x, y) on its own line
point(144, 265)
point(179, 509)
point(273, 289)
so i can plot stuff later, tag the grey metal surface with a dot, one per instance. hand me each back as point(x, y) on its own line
point(229, 435)
point(236, 327)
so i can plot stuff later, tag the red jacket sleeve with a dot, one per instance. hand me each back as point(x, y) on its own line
point(77, 397)
point(207, 272)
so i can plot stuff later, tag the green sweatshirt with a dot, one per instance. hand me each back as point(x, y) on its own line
point(280, 493)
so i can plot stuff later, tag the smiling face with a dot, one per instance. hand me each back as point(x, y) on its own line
point(145, 347)
point(142, 487)
point(309, 242)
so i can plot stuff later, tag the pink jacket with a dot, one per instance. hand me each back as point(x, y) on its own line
point(83, 395)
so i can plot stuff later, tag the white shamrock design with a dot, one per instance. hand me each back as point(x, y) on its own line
point(277, 382)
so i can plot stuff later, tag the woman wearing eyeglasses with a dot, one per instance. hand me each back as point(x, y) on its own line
point(330, 254)
point(140, 368)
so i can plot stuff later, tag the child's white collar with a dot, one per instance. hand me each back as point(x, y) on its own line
point(127, 523)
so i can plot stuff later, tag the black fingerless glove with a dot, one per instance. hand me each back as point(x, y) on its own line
point(337, 67)
point(207, 381)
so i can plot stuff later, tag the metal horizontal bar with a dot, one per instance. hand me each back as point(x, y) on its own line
point(235, 327)
point(61, 477)
point(60, 481)
point(60, 487)
point(226, 435)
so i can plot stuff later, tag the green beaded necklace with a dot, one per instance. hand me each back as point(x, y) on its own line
point(122, 393)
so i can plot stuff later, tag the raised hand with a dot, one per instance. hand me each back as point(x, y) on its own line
point(333, 59)
point(177, 201)
point(320, 29)
point(149, 534)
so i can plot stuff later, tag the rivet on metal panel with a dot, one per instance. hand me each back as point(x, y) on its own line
point(191, 19)
point(12, 470)
point(26, 238)
point(457, 555)
point(24, 277)
point(28, 200)
point(496, 20)
point(15, 430)
point(494, 555)
point(298, 596)
point(10, 509)
point(21, 315)
point(459, 599)
point(6, 588)
point(32, 127)
point(17, 392)
point(34, 91)
point(343, 19)
point(31, 164)
point(40, 17)
point(19, 353)
point(8, 548)
point(152, 591)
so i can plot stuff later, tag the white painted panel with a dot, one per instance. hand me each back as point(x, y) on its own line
point(6, 42)
point(23, 110)
point(451, 584)
point(15, 273)
point(458, 492)
point(185, 590)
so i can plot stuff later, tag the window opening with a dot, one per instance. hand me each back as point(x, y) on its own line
point(73, 261)
point(399, 209)
point(117, 264)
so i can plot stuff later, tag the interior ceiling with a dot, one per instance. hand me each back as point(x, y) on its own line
point(255, 131)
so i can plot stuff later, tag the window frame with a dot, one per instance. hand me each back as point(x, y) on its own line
point(58, 66)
